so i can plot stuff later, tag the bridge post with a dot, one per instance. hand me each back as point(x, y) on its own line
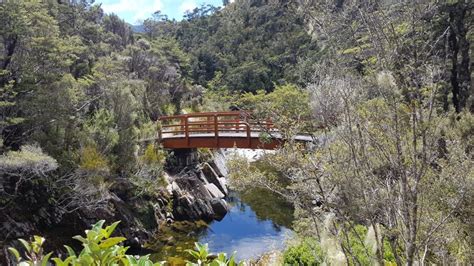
point(186, 129)
point(216, 131)
point(249, 137)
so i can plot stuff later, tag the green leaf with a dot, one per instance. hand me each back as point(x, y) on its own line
point(131, 259)
point(38, 240)
point(25, 244)
point(70, 251)
point(37, 243)
point(110, 229)
point(80, 238)
point(232, 260)
point(125, 261)
point(193, 253)
point(111, 242)
point(86, 259)
point(68, 261)
point(59, 262)
point(46, 259)
point(94, 247)
point(98, 225)
point(15, 253)
point(93, 235)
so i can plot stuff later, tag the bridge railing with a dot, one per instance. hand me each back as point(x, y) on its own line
point(212, 124)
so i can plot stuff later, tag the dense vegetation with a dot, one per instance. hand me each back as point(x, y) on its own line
point(100, 248)
point(385, 85)
point(391, 181)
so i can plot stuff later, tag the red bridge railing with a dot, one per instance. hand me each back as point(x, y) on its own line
point(196, 129)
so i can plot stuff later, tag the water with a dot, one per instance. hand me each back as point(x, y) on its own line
point(258, 222)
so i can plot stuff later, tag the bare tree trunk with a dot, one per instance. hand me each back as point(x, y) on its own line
point(459, 46)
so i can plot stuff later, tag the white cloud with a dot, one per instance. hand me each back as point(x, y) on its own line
point(187, 5)
point(141, 9)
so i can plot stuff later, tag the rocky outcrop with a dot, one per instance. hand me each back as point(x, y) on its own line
point(199, 192)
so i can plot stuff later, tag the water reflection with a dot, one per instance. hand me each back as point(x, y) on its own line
point(244, 231)
point(258, 222)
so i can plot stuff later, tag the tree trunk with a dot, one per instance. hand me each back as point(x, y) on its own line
point(453, 46)
point(459, 46)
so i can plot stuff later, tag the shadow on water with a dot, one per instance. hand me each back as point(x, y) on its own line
point(258, 221)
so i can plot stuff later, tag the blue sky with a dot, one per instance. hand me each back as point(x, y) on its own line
point(134, 11)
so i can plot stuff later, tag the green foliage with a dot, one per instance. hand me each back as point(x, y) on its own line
point(153, 156)
point(34, 252)
point(204, 258)
point(287, 106)
point(93, 161)
point(150, 176)
point(254, 45)
point(306, 252)
point(100, 130)
point(101, 248)
point(218, 99)
point(94, 166)
point(30, 159)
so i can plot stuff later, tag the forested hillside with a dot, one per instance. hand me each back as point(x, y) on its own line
point(386, 86)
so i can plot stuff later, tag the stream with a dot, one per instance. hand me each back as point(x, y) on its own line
point(259, 221)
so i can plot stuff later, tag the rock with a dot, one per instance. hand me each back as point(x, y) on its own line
point(223, 182)
point(195, 200)
point(219, 206)
point(215, 192)
point(123, 188)
point(220, 163)
point(175, 187)
point(213, 177)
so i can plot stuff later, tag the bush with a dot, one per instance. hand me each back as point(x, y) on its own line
point(92, 161)
point(307, 252)
point(100, 248)
point(29, 160)
point(203, 257)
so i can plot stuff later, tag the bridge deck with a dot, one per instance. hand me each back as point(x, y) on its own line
point(306, 138)
point(219, 130)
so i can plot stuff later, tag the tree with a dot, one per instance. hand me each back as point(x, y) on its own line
point(387, 151)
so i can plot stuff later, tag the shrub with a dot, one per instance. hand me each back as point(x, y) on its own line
point(153, 156)
point(93, 161)
point(30, 159)
point(307, 252)
point(204, 258)
point(100, 248)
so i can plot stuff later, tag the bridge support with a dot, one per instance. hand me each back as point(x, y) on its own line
point(183, 158)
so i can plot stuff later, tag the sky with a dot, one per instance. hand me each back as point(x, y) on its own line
point(135, 11)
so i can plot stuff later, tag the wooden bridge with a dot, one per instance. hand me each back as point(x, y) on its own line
point(220, 130)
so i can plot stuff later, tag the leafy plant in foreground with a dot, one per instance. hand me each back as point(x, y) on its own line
point(204, 258)
point(99, 249)
point(34, 252)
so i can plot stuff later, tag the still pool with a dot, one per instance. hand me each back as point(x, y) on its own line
point(258, 222)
